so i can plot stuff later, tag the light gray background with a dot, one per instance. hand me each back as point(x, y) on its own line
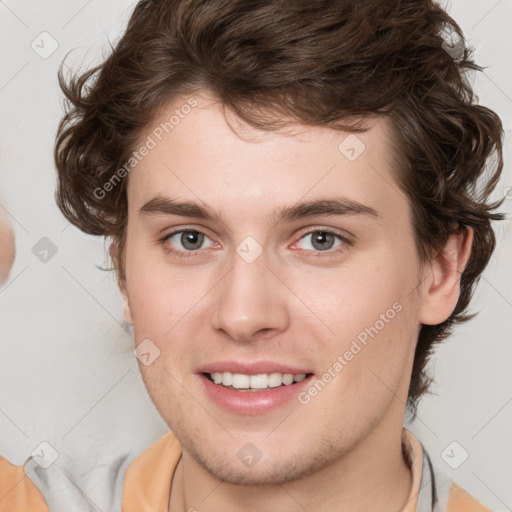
point(67, 372)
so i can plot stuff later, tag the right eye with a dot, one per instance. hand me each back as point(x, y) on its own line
point(190, 239)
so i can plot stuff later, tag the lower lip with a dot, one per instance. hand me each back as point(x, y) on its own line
point(252, 403)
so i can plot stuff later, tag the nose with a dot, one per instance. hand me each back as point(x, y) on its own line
point(250, 301)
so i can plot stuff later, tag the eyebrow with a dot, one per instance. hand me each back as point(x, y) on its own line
point(316, 207)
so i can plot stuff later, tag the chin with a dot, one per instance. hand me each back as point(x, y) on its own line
point(278, 469)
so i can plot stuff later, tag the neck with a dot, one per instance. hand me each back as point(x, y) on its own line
point(373, 472)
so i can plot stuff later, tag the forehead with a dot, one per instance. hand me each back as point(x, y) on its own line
point(196, 155)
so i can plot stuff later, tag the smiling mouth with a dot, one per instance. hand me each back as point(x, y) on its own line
point(255, 383)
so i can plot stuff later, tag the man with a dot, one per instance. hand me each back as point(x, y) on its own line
point(289, 190)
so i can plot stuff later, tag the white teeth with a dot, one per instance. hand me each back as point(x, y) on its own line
point(275, 380)
point(240, 381)
point(288, 379)
point(227, 379)
point(260, 381)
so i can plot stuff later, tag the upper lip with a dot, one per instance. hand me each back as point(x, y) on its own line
point(251, 368)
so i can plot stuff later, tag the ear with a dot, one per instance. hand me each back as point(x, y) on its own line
point(442, 286)
point(121, 282)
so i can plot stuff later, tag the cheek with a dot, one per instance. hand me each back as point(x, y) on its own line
point(372, 313)
point(358, 295)
point(157, 293)
point(364, 373)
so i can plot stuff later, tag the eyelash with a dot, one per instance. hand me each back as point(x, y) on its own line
point(314, 254)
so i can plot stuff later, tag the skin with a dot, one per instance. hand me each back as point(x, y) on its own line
point(6, 247)
point(286, 306)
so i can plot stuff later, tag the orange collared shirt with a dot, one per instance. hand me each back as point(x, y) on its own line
point(148, 481)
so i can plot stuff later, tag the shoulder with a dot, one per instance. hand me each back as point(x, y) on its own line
point(461, 501)
point(17, 491)
point(148, 477)
point(159, 456)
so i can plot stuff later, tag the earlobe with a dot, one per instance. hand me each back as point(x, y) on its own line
point(121, 283)
point(442, 285)
point(127, 311)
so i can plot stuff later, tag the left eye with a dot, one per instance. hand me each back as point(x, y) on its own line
point(323, 240)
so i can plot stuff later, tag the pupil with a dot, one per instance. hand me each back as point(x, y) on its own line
point(321, 236)
point(190, 239)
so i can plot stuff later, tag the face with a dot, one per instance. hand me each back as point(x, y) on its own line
point(323, 297)
point(6, 248)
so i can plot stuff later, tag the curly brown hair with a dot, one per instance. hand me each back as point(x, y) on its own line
point(316, 62)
